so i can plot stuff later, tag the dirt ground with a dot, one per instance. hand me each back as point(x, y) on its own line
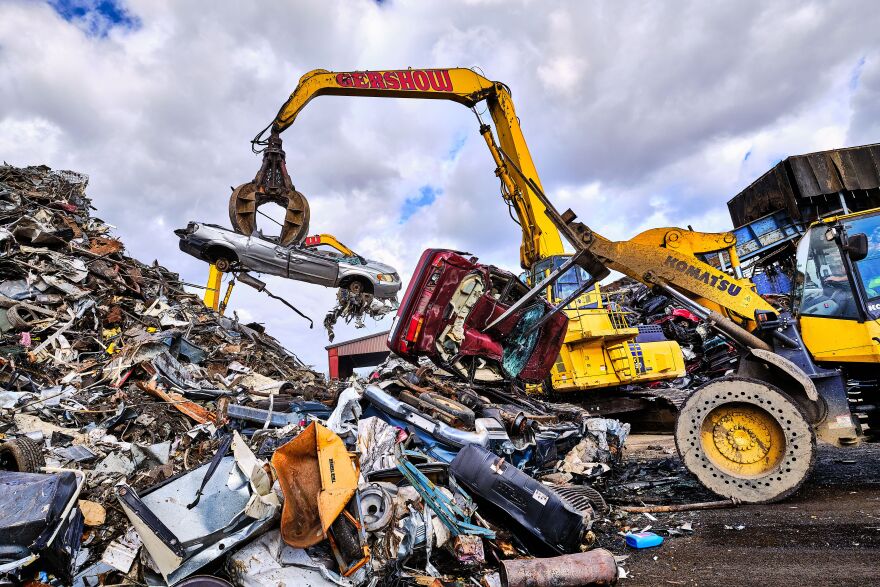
point(827, 534)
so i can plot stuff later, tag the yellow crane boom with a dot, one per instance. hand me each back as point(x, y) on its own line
point(540, 239)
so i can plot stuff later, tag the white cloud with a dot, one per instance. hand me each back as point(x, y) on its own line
point(637, 114)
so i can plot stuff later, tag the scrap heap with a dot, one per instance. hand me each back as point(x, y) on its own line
point(100, 351)
point(146, 438)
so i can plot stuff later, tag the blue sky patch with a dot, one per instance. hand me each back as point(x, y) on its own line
point(96, 17)
point(457, 146)
point(426, 197)
point(856, 74)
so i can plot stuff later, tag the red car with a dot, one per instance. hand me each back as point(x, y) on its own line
point(443, 316)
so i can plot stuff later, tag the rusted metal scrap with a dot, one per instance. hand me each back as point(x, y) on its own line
point(191, 409)
point(594, 567)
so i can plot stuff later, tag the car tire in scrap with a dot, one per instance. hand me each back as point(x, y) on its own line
point(245, 200)
point(22, 455)
point(346, 537)
point(745, 439)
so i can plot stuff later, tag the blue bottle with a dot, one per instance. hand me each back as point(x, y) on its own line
point(643, 539)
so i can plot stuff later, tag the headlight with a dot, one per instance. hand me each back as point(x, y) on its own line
point(385, 277)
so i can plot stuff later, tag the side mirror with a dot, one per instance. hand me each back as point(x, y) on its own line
point(857, 246)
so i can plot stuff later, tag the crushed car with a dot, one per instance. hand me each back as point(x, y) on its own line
point(231, 251)
point(445, 312)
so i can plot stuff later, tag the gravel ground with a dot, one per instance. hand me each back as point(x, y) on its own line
point(827, 534)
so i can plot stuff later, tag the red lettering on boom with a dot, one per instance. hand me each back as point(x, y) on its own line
point(359, 80)
point(440, 80)
point(391, 80)
point(406, 80)
point(376, 80)
point(421, 79)
point(437, 80)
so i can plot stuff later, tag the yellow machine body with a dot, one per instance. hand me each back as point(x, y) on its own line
point(212, 291)
point(329, 240)
point(618, 359)
point(832, 340)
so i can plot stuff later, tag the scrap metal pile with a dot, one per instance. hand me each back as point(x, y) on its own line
point(707, 355)
point(146, 439)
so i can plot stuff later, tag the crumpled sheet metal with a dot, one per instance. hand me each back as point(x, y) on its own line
point(268, 561)
point(375, 444)
point(601, 447)
point(237, 503)
point(191, 409)
point(348, 410)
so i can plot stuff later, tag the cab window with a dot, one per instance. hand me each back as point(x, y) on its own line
point(567, 283)
point(822, 286)
point(868, 269)
point(570, 281)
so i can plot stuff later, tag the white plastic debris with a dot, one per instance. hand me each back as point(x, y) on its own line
point(120, 553)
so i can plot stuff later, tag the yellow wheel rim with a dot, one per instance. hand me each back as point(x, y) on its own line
point(742, 440)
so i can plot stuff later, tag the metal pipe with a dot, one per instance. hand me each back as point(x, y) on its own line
point(439, 430)
point(594, 567)
point(561, 306)
point(716, 320)
point(537, 289)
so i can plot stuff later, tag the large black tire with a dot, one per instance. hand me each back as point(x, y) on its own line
point(745, 439)
point(22, 455)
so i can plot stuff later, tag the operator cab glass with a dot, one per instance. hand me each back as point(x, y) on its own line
point(567, 283)
point(867, 270)
point(823, 286)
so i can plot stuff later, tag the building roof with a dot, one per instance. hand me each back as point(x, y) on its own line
point(371, 343)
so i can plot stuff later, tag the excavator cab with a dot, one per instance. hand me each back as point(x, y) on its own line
point(837, 290)
point(568, 283)
point(863, 244)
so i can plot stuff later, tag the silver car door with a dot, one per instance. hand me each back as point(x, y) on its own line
point(262, 258)
point(313, 268)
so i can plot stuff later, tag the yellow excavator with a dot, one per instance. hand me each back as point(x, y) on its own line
point(602, 350)
point(808, 369)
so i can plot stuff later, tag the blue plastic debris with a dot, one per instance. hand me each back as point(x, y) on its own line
point(643, 539)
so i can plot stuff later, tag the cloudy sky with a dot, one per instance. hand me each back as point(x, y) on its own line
point(638, 114)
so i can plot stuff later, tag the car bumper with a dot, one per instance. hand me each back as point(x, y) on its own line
point(192, 248)
point(385, 289)
point(491, 433)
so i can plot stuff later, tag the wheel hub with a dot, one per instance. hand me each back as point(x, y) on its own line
point(743, 439)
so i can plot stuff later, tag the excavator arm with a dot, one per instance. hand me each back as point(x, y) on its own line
point(540, 238)
point(669, 258)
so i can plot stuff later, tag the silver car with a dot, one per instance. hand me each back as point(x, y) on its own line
point(231, 251)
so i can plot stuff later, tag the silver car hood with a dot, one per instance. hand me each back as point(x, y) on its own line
point(380, 267)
